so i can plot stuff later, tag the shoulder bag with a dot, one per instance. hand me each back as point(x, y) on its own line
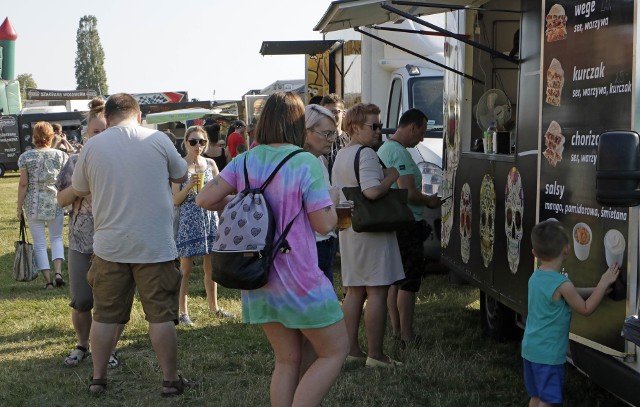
point(385, 214)
point(24, 264)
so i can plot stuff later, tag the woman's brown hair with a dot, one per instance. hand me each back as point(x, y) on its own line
point(282, 120)
point(42, 134)
point(357, 115)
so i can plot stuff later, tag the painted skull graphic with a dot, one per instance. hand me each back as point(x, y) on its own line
point(487, 219)
point(465, 222)
point(513, 213)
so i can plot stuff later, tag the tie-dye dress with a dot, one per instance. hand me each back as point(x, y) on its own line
point(297, 294)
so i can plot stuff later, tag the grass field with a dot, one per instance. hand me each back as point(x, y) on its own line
point(232, 362)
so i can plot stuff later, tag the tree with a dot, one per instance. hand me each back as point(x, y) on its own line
point(26, 81)
point(90, 72)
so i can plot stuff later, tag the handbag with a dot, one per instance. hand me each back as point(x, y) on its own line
point(385, 214)
point(24, 264)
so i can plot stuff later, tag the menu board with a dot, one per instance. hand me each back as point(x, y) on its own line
point(586, 90)
point(9, 141)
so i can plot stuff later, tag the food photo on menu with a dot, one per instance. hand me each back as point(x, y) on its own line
point(554, 141)
point(556, 24)
point(555, 82)
point(582, 240)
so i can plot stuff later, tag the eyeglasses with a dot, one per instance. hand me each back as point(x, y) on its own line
point(328, 134)
point(374, 126)
point(194, 141)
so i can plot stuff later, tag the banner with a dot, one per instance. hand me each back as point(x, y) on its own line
point(587, 89)
point(42, 94)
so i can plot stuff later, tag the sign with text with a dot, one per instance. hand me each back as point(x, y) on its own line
point(587, 89)
point(9, 141)
point(42, 94)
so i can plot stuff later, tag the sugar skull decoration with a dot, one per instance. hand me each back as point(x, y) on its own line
point(487, 219)
point(447, 206)
point(513, 211)
point(465, 222)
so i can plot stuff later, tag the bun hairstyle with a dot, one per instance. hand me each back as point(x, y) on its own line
point(96, 108)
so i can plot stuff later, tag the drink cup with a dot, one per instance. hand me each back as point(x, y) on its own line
point(582, 237)
point(614, 247)
point(343, 209)
point(200, 184)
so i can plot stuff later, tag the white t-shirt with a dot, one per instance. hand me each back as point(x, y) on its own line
point(127, 170)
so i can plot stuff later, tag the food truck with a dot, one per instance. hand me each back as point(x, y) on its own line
point(551, 76)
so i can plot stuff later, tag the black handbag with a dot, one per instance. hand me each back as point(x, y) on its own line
point(385, 214)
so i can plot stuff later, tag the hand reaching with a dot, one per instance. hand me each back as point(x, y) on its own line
point(611, 275)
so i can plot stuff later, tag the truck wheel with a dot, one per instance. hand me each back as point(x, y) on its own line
point(498, 321)
point(2, 170)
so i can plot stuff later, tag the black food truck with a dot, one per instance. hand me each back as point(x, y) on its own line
point(529, 88)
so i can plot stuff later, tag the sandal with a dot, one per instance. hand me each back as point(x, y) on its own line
point(76, 356)
point(179, 385)
point(102, 383)
point(113, 360)
point(59, 280)
point(47, 285)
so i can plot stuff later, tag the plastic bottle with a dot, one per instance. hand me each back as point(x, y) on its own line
point(492, 144)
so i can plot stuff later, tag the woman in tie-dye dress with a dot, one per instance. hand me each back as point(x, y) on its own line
point(298, 302)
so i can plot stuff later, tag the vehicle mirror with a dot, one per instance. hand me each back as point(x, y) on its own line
point(617, 172)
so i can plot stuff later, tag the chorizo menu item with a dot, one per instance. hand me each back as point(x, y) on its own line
point(554, 141)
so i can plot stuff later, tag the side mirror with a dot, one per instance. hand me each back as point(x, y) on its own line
point(617, 172)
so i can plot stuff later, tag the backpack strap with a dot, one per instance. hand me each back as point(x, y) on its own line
point(273, 174)
point(356, 164)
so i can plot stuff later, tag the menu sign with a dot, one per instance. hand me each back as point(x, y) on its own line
point(9, 141)
point(587, 85)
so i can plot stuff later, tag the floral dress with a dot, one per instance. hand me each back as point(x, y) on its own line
point(42, 166)
point(197, 227)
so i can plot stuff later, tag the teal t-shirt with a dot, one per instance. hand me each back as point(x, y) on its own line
point(546, 334)
point(394, 154)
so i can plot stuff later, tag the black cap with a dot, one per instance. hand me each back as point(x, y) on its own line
point(238, 123)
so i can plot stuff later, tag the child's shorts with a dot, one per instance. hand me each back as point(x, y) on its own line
point(544, 381)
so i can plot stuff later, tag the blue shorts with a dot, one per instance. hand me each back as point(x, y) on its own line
point(544, 381)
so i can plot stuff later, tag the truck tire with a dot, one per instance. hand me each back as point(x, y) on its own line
point(498, 321)
point(2, 170)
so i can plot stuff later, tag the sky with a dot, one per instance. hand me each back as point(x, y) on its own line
point(198, 46)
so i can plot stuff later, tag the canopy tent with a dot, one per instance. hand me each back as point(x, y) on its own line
point(182, 115)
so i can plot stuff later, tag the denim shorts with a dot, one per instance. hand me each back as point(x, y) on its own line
point(544, 381)
point(326, 253)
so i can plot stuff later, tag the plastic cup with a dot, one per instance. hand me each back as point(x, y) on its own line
point(200, 184)
point(344, 209)
point(614, 247)
point(582, 238)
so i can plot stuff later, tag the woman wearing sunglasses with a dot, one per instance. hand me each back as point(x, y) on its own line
point(197, 227)
point(370, 261)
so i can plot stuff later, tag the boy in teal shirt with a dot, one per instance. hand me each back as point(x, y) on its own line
point(552, 296)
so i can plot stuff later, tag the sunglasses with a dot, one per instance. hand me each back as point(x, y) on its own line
point(374, 126)
point(328, 134)
point(201, 141)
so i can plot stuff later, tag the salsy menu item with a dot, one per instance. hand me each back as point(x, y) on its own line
point(582, 240)
point(614, 245)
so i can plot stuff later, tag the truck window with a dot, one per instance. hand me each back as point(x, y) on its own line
point(395, 103)
point(426, 94)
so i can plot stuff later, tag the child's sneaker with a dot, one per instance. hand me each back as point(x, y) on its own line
point(185, 320)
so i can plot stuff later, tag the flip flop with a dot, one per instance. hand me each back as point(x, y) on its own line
point(113, 360)
point(77, 355)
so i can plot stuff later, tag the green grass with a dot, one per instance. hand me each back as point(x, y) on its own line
point(232, 362)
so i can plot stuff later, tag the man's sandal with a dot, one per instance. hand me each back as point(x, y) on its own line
point(101, 385)
point(179, 385)
point(77, 355)
point(47, 285)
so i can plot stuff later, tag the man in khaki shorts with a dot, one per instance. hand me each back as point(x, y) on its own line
point(127, 169)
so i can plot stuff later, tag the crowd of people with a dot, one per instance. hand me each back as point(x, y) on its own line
point(117, 245)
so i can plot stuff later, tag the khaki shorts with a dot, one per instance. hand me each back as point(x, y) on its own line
point(114, 285)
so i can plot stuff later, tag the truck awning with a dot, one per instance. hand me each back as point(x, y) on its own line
point(344, 14)
point(296, 47)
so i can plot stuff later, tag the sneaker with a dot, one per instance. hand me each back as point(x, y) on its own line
point(224, 314)
point(185, 320)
